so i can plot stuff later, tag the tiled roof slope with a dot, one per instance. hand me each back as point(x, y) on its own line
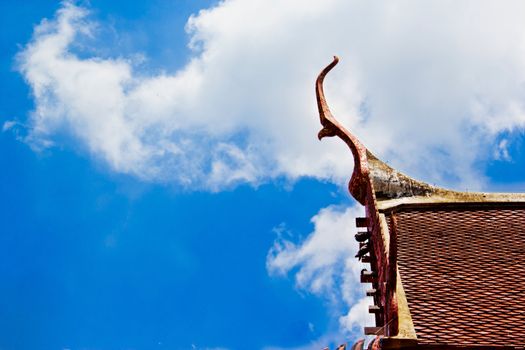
point(463, 272)
point(447, 268)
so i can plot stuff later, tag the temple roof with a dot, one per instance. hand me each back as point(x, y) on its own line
point(447, 268)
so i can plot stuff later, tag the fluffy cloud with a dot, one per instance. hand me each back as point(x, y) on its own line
point(324, 264)
point(358, 316)
point(428, 87)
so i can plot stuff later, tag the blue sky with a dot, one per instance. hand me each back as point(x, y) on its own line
point(162, 185)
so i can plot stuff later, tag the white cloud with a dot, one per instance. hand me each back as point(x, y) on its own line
point(502, 151)
point(324, 264)
point(8, 125)
point(428, 87)
point(358, 316)
point(321, 256)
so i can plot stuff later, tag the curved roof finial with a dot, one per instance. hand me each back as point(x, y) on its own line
point(331, 127)
point(372, 178)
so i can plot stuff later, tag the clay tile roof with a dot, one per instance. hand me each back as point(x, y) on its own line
point(447, 268)
point(463, 273)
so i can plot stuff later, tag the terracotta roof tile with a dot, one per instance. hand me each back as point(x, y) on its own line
point(463, 271)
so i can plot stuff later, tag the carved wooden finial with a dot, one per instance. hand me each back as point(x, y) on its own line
point(331, 127)
point(327, 119)
point(386, 182)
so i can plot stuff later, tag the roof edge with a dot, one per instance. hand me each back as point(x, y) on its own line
point(451, 197)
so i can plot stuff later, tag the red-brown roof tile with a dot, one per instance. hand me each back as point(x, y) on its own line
point(463, 271)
